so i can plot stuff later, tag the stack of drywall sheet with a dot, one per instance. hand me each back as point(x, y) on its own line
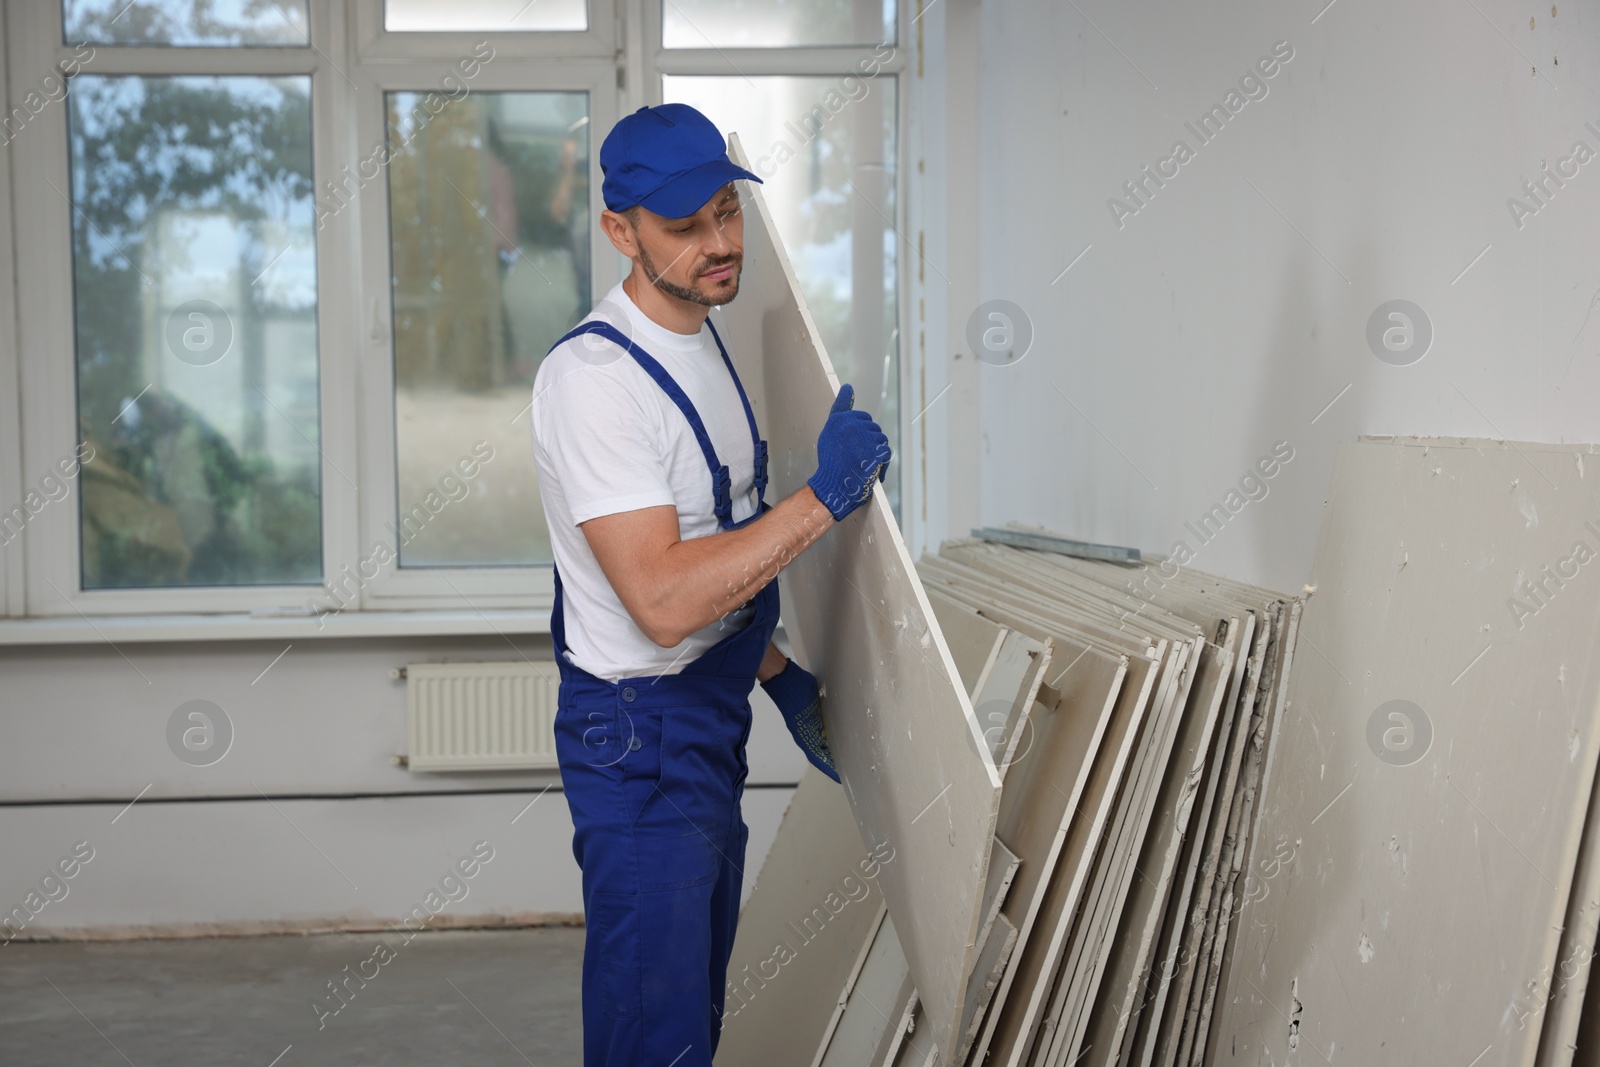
point(1124, 707)
point(1158, 839)
point(1181, 986)
point(1425, 854)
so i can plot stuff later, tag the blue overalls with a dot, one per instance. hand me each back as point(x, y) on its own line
point(654, 769)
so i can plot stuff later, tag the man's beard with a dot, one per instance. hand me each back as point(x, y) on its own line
point(694, 296)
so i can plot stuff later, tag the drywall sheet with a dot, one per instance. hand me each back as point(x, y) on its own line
point(1287, 628)
point(1162, 1029)
point(974, 641)
point(1114, 869)
point(1007, 690)
point(998, 944)
point(1438, 746)
point(1022, 1012)
point(1241, 833)
point(1046, 785)
point(1198, 856)
point(912, 1052)
point(1132, 950)
point(869, 1007)
point(898, 1036)
point(904, 736)
point(1559, 1036)
point(1003, 865)
point(782, 1001)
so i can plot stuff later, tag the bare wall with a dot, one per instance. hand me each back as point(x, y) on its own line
point(1227, 307)
point(307, 821)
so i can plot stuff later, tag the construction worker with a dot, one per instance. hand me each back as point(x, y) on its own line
point(653, 476)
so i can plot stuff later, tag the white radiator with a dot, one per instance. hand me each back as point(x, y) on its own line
point(481, 716)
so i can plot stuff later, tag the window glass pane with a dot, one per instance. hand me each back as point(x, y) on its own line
point(186, 22)
point(473, 16)
point(490, 231)
point(775, 23)
point(195, 299)
point(825, 148)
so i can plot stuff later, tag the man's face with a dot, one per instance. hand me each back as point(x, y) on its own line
point(698, 258)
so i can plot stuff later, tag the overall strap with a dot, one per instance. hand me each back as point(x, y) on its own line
point(750, 416)
point(721, 481)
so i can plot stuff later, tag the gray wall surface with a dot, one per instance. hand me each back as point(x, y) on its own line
point(306, 821)
point(1224, 310)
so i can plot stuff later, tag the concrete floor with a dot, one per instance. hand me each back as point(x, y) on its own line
point(483, 997)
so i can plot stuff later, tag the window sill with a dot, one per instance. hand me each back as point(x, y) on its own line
point(131, 629)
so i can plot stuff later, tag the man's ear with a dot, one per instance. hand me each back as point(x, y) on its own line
point(621, 233)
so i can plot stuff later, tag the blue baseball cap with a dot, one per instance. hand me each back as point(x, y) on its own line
point(668, 159)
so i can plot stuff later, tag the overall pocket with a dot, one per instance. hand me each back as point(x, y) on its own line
point(681, 833)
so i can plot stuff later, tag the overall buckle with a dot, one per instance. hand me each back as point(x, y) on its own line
point(761, 468)
point(722, 493)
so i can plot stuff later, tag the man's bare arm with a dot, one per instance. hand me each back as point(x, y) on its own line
point(672, 587)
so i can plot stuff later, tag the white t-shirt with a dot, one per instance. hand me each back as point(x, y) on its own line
point(608, 439)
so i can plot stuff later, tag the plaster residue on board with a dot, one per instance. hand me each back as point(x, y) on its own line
point(1295, 1007)
point(1522, 500)
point(1364, 948)
point(1400, 857)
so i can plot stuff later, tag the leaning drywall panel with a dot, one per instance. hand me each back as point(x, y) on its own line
point(998, 944)
point(1003, 864)
point(1570, 981)
point(1474, 788)
point(1146, 1024)
point(1041, 954)
point(903, 732)
point(1124, 982)
point(1045, 786)
point(793, 953)
point(1241, 846)
point(869, 1005)
point(904, 1011)
point(974, 641)
point(1165, 1029)
point(1286, 629)
point(1092, 939)
point(1002, 698)
point(1148, 981)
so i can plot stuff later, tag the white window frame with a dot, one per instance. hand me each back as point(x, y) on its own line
point(395, 587)
point(42, 569)
point(618, 61)
point(11, 485)
point(46, 313)
point(376, 44)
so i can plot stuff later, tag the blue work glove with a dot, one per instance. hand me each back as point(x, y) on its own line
point(852, 454)
point(794, 690)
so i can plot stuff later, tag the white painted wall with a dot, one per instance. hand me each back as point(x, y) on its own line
point(1225, 315)
point(284, 829)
